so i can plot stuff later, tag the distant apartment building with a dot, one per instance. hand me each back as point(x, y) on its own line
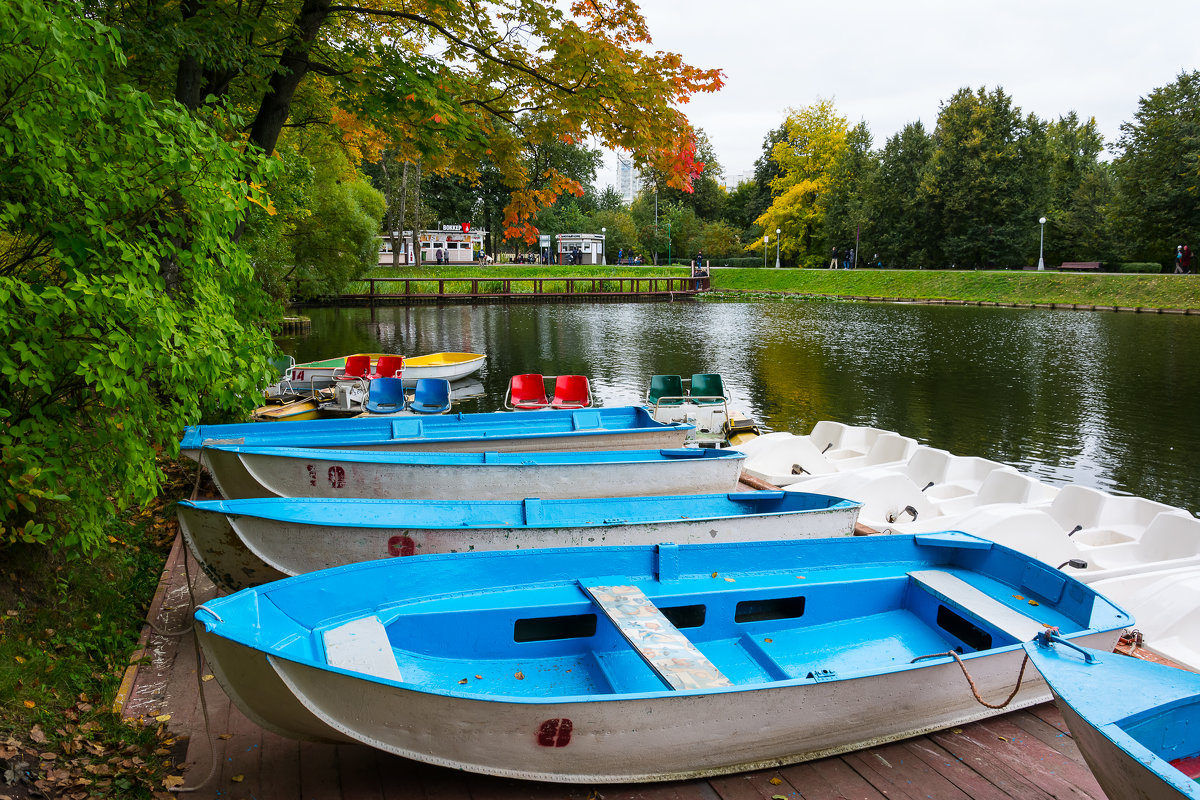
point(629, 180)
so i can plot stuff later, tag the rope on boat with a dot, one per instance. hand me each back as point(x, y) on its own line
point(971, 681)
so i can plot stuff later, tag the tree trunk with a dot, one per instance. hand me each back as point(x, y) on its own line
point(294, 65)
point(417, 215)
point(403, 204)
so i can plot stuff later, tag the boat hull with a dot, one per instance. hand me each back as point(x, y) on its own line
point(466, 686)
point(451, 366)
point(287, 472)
point(1129, 717)
point(672, 740)
point(237, 550)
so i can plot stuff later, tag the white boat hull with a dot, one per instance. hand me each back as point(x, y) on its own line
point(241, 475)
point(594, 741)
point(637, 439)
point(238, 550)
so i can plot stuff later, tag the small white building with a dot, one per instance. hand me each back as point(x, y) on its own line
point(459, 243)
point(588, 248)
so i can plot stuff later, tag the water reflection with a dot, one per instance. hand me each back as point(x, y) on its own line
point(1107, 400)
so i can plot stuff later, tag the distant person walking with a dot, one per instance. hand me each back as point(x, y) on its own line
point(850, 259)
point(1186, 261)
point(833, 261)
point(1179, 259)
point(439, 255)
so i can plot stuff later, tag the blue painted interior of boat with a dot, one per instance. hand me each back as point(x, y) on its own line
point(607, 457)
point(374, 430)
point(528, 513)
point(762, 612)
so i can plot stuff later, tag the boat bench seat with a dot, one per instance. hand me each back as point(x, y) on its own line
point(957, 592)
point(661, 645)
point(362, 646)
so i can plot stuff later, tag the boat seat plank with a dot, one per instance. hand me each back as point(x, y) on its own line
point(958, 592)
point(668, 652)
point(362, 645)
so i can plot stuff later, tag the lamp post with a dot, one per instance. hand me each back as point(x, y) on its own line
point(656, 224)
point(766, 239)
point(1041, 244)
point(777, 248)
point(668, 244)
point(603, 246)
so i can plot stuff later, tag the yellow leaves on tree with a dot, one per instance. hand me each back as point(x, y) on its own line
point(814, 138)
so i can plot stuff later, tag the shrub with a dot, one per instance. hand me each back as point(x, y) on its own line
point(1134, 266)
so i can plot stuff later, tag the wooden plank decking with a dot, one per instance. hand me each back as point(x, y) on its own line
point(1024, 754)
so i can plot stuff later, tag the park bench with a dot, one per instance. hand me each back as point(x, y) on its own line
point(1080, 265)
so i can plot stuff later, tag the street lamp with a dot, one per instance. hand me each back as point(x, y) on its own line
point(777, 248)
point(668, 244)
point(1042, 243)
point(656, 224)
point(766, 238)
point(604, 246)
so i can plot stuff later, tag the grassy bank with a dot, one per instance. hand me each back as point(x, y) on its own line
point(1146, 291)
point(1002, 286)
point(67, 630)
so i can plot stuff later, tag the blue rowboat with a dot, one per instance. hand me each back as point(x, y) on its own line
point(309, 472)
point(1137, 723)
point(617, 664)
point(620, 428)
point(243, 543)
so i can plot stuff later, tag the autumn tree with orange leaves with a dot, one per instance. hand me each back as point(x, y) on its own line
point(453, 84)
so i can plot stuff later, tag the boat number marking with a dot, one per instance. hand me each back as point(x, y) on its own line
point(401, 546)
point(336, 475)
point(298, 375)
point(555, 733)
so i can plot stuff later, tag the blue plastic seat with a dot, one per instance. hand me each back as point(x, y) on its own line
point(432, 396)
point(385, 396)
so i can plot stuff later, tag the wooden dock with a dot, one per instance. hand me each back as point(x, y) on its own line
point(1025, 754)
point(484, 289)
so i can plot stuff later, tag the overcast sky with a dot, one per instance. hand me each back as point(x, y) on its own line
point(891, 62)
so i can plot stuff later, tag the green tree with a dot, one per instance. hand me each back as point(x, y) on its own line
point(849, 207)
point(814, 139)
point(1081, 189)
point(1158, 170)
point(901, 228)
point(985, 185)
point(103, 360)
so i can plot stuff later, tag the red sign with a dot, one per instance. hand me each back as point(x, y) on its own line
point(466, 227)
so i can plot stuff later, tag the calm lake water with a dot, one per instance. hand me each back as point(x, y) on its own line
point(1102, 399)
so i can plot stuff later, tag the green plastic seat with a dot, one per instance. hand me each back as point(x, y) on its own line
point(707, 390)
point(665, 386)
point(282, 365)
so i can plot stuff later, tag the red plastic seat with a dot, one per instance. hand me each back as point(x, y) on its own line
point(571, 391)
point(355, 368)
point(388, 367)
point(527, 392)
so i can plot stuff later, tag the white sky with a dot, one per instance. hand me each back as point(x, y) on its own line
point(891, 63)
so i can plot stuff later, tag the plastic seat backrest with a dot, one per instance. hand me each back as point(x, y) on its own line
point(1002, 486)
point(889, 448)
point(385, 395)
point(1079, 506)
point(571, 391)
point(282, 365)
point(1170, 536)
point(432, 395)
point(388, 367)
point(669, 386)
point(528, 391)
point(706, 388)
point(928, 464)
point(827, 434)
point(356, 367)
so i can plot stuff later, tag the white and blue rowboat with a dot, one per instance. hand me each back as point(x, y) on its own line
point(1136, 723)
point(599, 665)
point(620, 428)
point(243, 543)
point(308, 472)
